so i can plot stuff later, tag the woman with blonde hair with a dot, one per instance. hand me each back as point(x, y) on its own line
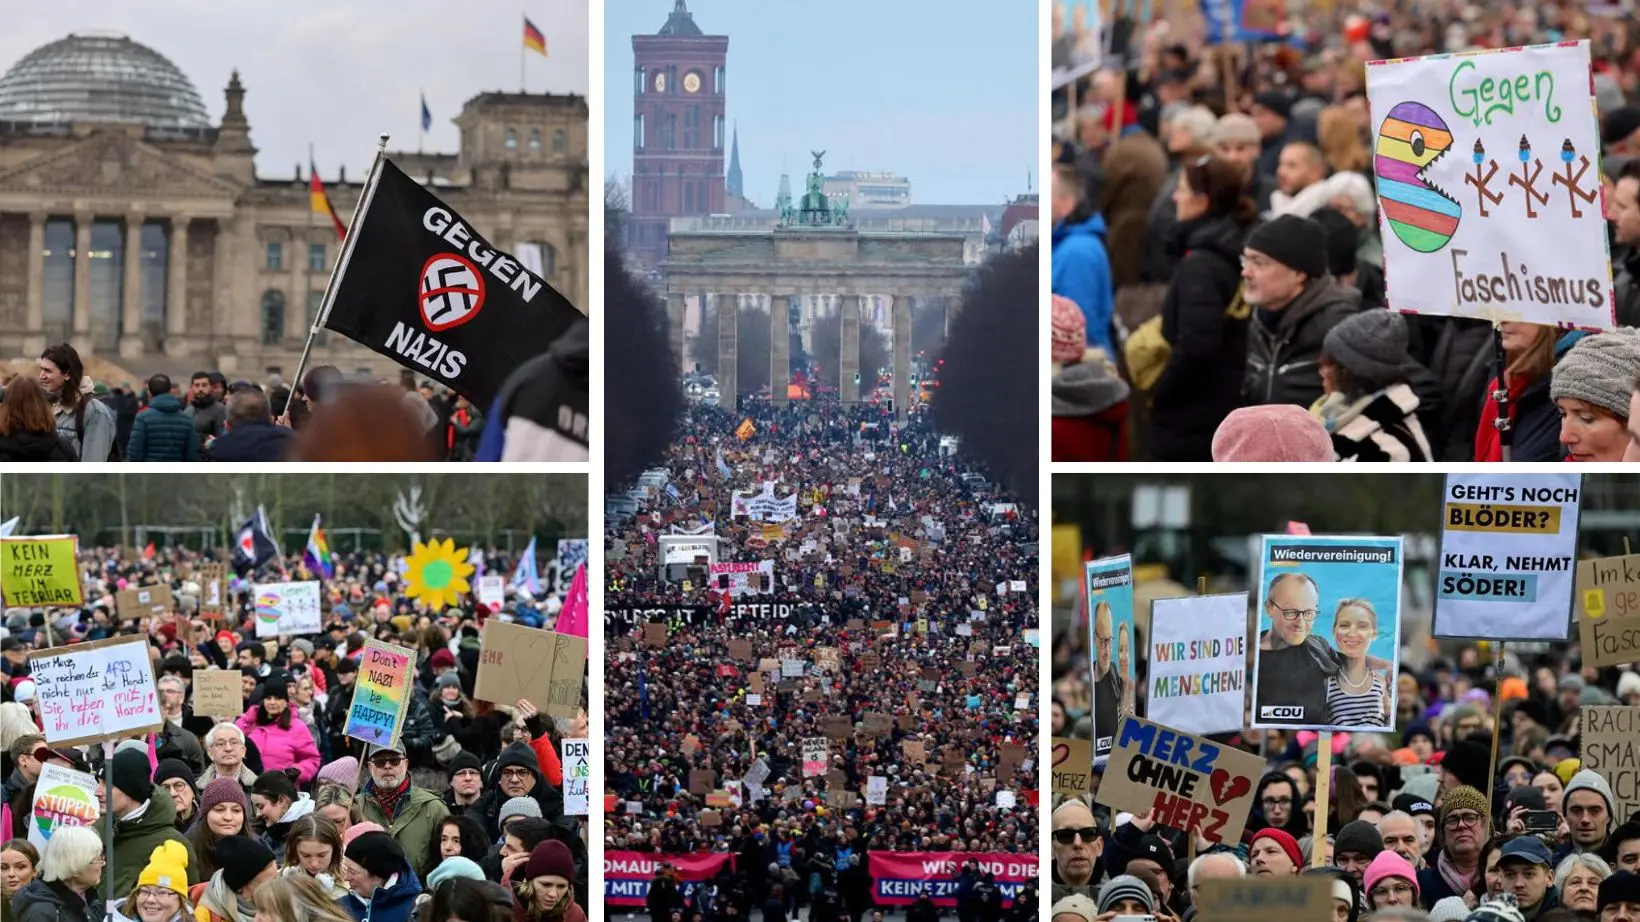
point(297, 898)
point(66, 890)
point(313, 848)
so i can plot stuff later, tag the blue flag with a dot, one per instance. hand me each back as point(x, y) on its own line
point(426, 114)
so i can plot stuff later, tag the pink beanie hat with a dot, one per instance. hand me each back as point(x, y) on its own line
point(359, 829)
point(1389, 864)
point(1280, 432)
point(1070, 332)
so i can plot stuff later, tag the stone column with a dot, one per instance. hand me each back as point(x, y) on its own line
point(676, 311)
point(82, 282)
point(728, 320)
point(848, 364)
point(131, 303)
point(176, 278)
point(780, 346)
point(902, 356)
point(34, 338)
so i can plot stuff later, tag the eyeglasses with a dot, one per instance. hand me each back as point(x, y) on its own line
point(1293, 615)
point(1068, 836)
point(1462, 819)
point(1388, 890)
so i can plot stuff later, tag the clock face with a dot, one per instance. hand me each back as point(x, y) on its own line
point(660, 83)
point(691, 82)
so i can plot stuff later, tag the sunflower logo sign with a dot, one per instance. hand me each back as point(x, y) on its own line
point(62, 797)
point(288, 608)
point(436, 574)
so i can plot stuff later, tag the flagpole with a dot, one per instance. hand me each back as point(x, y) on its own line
point(336, 268)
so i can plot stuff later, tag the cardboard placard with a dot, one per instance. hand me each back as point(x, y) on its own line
point(94, 691)
point(1608, 749)
point(702, 781)
point(40, 571)
point(1192, 783)
point(1264, 899)
point(1608, 607)
point(219, 693)
point(654, 634)
point(1072, 765)
point(514, 662)
point(143, 602)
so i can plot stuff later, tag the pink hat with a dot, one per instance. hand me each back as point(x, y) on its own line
point(1070, 331)
point(1281, 432)
point(359, 829)
point(1389, 864)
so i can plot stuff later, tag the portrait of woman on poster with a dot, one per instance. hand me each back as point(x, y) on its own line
point(1358, 695)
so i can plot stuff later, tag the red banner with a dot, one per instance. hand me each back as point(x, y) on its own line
point(627, 874)
point(898, 878)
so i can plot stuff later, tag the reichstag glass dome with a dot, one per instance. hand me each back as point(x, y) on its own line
point(100, 78)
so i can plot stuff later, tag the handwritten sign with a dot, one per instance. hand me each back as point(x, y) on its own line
point(39, 571)
point(1264, 899)
point(287, 608)
point(1072, 764)
point(1508, 553)
point(219, 693)
point(1608, 605)
point(95, 691)
point(62, 797)
point(381, 693)
point(816, 754)
point(514, 662)
point(143, 601)
point(1192, 783)
point(1608, 749)
point(577, 761)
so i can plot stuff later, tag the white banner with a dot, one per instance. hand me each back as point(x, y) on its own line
point(764, 506)
point(1198, 663)
point(816, 753)
point(743, 578)
point(1488, 169)
point(287, 608)
point(577, 760)
point(1508, 556)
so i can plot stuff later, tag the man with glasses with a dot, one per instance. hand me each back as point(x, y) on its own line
point(1293, 664)
point(408, 813)
point(1077, 845)
point(1463, 829)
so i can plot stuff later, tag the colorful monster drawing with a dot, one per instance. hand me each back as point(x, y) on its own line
point(1421, 214)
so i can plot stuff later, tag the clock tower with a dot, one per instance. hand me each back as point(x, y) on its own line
point(678, 131)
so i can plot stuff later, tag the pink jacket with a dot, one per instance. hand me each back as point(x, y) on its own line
point(282, 749)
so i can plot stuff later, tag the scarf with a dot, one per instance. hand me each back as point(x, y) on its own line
point(224, 903)
point(389, 800)
point(1456, 879)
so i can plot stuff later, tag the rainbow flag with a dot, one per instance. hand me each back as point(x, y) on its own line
point(316, 556)
point(319, 201)
point(533, 39)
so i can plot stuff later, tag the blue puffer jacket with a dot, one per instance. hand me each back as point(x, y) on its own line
point(163, 433)
point(393, 904)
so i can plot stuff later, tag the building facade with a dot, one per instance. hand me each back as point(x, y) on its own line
point(678, 132)
point(135, 229)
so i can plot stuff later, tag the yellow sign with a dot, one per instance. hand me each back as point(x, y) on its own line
point(40, 571)
point(436, 574)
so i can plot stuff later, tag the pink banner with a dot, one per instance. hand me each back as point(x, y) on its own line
point(627, 874)
point(573, 618)
point(898, 878)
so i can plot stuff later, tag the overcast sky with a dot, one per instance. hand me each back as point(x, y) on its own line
point(334, 73)
point(943, 91)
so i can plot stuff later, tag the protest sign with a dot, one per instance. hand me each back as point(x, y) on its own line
point(62, 797)
point(219, 693)
point(1110, 626)
point(816, 755)
point(1265, 899)
point(287, 608)
point(1608, 738)
point(577, 762)
point(1192, 783)
point(95, 691)
point(1608, 605)
point(39, 571)
point(1511, 226)
point(740, 579)
point(1329, 626)
point(1508, 549)
point(213, 589)
point(1198, 663)
point(492, 591)
point(381, 694)
point(1072, 765)
point(143, 601)
point(514, 662)
point(899, 878)
point(877, 790)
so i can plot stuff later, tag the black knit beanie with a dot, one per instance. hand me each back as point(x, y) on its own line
point(1297, 243)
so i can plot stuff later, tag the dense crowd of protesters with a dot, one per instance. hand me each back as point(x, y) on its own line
point(891, 562)
point(1218, 254)
point(277, 816)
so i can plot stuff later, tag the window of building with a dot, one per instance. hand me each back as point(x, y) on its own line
point(275, 261)
point(637, 132)
point(535, 140)
point(511, 142)
point(273, 317)
point(316, 257)
point(558, 141)
point(151, 277)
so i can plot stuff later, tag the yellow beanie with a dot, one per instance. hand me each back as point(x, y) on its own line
point(168, 868)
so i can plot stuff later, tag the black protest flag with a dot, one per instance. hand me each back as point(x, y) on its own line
point(417, 284)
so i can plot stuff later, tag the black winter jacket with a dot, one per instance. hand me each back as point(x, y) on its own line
point(1202, 380)
point(1284, 348)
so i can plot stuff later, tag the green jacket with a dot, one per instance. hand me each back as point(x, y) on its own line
point(419, 814)
point(135, 841)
